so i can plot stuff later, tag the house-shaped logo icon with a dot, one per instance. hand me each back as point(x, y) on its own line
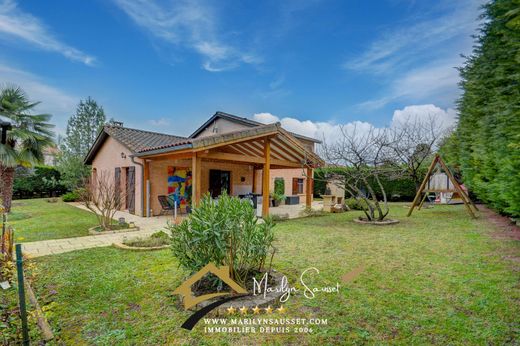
point(221, 272)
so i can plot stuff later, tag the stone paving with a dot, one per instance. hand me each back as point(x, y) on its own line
point(147, 227)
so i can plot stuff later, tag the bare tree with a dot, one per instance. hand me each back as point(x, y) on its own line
point(412, 142)
point(364, 155)
point(103, 197)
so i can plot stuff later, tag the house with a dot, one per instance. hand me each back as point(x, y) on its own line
point(50, 155)
point(227, 152)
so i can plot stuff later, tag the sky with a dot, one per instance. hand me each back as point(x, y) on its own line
point(167, 66)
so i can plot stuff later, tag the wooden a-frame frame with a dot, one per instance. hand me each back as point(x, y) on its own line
point(468, 203)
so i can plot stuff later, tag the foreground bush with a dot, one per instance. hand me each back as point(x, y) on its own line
point(224, 232)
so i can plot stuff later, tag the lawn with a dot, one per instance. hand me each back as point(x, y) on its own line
point(38, 219)
point(438, 277)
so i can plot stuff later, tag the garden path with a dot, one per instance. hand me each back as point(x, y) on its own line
point(147, 227)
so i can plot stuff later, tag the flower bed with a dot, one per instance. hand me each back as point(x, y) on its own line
point(156, 241)
point(114, 229)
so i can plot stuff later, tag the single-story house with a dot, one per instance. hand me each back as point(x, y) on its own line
point(227, 152)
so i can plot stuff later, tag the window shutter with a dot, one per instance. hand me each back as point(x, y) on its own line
point(130, 196)
point(117, 176)
point(294, 186)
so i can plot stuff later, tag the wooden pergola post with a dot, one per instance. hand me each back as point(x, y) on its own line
point(265, 177)
point(195, 179)
point(308, 190)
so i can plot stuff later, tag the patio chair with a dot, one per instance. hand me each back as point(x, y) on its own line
point(167, 204)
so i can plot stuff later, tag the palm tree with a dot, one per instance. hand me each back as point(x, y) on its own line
point(29, 135)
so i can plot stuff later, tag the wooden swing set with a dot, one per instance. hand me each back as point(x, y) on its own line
point(426, 188)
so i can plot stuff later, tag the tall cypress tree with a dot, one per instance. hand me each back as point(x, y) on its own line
point(488, 131)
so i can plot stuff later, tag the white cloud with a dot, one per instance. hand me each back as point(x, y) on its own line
point(190, 24)
point(329, 131)
point(399, 47)
point(53, 100)
point(438, 81)
point(446, 118)
point(416, 62)
point(162, 122)
point(17, 24)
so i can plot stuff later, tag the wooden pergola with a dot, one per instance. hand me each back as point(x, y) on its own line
point(265, 147)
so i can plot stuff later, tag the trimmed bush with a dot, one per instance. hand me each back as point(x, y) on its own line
point(398, 189)
point(279, 186)
point(37, 182)
point(354, 203)
point(70, 197)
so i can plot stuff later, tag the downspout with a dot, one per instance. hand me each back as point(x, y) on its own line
point(142, 185)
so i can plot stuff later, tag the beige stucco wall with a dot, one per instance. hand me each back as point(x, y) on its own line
point(159, 178)
point(221, 126)
point(224, 126)
point(237, 172)
point(287, 175)
point(109, 157)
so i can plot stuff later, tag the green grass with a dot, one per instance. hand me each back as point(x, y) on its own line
point(438, 277)
point(37, 219)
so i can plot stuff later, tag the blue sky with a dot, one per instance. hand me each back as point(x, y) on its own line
point(169, 65)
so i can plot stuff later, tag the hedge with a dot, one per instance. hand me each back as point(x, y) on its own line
point(398, 189)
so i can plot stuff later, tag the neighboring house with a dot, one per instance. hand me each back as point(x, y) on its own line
point(225, 153)
point(50, 155)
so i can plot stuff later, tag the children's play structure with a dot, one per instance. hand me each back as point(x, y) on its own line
point(445, 187)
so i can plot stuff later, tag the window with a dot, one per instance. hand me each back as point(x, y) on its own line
point(297, 186)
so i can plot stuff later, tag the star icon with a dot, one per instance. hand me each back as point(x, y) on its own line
point(269, 309)
point(231, 310)
point(281, 309)
point(243, 310)
point(256, 310)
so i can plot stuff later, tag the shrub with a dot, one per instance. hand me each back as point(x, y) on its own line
point(354, 203)
point(160, 235)
point(279, 186)
point(224, 232)
point(70, 197)
point(40, 181)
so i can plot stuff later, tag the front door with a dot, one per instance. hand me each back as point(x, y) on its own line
point(218, 182)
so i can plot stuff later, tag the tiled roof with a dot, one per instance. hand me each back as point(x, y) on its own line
point(215, 139)
point(137, 140)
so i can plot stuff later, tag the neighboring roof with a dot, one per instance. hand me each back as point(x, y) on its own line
point(243, 121)
point(51, 150)
point(133, 139)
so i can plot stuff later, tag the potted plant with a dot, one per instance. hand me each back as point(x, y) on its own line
point(278, 198)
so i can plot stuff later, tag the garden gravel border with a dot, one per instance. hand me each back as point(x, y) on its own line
point(377, 223)
point(92, 231)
